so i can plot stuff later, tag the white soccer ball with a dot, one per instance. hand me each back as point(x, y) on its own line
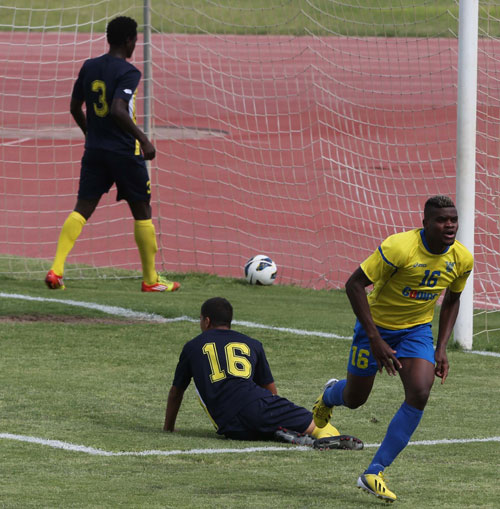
point(260, 270)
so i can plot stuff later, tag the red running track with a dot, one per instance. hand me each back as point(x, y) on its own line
point(308, 149)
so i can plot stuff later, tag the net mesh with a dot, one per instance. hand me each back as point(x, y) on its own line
point(307, 130)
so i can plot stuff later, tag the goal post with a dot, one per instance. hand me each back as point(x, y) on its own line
point(148, 73)
point(466, 155)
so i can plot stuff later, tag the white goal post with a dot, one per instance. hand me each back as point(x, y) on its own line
point(466, 155)
point(306, 130)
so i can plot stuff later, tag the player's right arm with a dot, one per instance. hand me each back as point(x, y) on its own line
point(382, 352)
point(182, 379)
point(173, 405)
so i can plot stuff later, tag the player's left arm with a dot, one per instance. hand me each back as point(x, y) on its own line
point(76, 110)
point(173, 405)
point(447, 318)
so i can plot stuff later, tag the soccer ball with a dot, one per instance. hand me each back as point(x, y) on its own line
point(260, 270)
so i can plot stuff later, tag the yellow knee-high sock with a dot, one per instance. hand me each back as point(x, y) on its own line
point(70, 231)
point(327, 431)
point(145, 238)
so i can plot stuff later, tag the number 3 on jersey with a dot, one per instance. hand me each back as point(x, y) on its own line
point(237, 365)
point(101, 108)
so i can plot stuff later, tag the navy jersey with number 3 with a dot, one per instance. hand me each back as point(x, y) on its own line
point(228, 369)
point(101, 80)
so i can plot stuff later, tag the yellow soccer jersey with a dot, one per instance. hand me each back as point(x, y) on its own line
point(408, 279)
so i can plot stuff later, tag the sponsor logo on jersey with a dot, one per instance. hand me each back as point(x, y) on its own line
point(420, 265)
point(450, 266)
point(418, 294)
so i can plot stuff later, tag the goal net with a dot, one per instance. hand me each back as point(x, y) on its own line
point(307, 130)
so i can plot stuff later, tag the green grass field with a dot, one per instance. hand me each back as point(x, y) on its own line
point(75, 376)
point(94, 379)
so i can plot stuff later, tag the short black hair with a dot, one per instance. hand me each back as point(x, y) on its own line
point(437, 202)
point(219, 310)
point(120, 29)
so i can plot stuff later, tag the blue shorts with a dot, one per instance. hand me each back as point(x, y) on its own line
point(262, 417)
point(413, 342)
point(102, 168)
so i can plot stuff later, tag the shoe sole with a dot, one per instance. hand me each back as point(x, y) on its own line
point(362, 486)
point(345, 442)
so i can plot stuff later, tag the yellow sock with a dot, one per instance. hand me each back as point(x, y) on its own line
point(70, 231)
point(145, 238)
point(327, 431)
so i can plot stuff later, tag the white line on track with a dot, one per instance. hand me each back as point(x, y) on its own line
point(14, 142)
point(67, 446)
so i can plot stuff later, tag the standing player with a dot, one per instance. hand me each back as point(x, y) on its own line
point(408, 271)
point(115, 151)
point(236, 388)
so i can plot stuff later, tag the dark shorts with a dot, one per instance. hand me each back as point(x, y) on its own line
point(413, 342)
point(261, 418)
point(102, 168)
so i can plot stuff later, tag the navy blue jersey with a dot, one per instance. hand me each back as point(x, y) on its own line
point(100, 80)
point(228, 369)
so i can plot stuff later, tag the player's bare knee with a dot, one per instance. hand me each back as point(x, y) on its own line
point(418, 398)
point(354, 402)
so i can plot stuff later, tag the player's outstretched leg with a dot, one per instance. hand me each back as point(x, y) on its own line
point(321, 412)
point(375, 484)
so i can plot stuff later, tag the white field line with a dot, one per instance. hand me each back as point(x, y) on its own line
point(152, 317)
point(67, 446)
point(487, 354)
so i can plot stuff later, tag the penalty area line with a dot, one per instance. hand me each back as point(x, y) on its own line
point(67, 446)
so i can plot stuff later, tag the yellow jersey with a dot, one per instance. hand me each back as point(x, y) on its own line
point(408, 279)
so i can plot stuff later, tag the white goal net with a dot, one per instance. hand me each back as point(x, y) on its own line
point(307, 130)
